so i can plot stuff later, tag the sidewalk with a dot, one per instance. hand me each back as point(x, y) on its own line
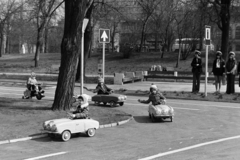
point(143, 86)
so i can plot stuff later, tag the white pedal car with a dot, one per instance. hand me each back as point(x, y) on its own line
point(160, 112)
point(65, 127)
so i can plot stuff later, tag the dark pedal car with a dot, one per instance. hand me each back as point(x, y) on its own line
point(28, 94)
point(112, 99)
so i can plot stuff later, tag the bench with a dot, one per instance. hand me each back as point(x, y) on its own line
point(54, 68)
point(120, 78)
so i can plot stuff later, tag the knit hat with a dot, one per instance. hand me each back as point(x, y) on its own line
point(197, 52)
point(231, 53)
point(153, 86)
point(219, 53)
point(100, 80)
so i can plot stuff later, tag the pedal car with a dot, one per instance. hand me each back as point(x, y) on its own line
point(65, 127)
point(112, 99)
point(39, 94)
point(161, 112)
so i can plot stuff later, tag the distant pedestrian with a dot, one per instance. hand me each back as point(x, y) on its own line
point(238, 70)
point(231, 70)
point(218, 69)
point(197, 71)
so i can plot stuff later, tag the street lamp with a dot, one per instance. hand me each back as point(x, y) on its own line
point(85, 22)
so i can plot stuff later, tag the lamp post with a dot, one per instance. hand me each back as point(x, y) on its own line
point(85, 22)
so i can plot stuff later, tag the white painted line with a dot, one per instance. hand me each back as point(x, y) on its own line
point(45, 156)
point(190, 147)
point(173, 107)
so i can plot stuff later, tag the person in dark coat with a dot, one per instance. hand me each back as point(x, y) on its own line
point(238, 71)
point(155, 96)
point(101, 87)
point(231, 70)
point(197, 71)
point(218, 69)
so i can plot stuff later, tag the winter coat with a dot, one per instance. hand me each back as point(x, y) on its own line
point(155, 98)
point(231, 66)
point(102, 89)
point(196, 68)
point(218, 70)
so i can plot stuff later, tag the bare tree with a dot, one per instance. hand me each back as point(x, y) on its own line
point(75, 11)
point(43, 12)
point(7, 9)
point(220, 13)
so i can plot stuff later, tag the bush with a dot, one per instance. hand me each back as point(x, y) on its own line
point(126, 50)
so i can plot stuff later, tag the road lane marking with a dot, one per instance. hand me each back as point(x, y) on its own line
point(173, 107)
point(45, 156)
point(190, 147)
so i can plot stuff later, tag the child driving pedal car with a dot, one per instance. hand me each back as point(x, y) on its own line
point(82, 108)
point(101, 87)
point(155, 96)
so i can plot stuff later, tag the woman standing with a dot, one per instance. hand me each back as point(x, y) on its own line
point(218, 69)
point(231, 69)
point(197, 71)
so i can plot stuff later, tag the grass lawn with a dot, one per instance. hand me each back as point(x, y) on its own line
point(21, 118)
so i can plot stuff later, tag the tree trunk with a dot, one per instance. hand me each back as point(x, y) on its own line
point(38, 45)
point(70, 51)
point(225, 19)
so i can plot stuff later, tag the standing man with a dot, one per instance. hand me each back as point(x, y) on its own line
point(197, 71)
point(231, 70)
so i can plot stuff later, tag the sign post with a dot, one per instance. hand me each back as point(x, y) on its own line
point(104, 37)
point(85, 22)
point(207, 41)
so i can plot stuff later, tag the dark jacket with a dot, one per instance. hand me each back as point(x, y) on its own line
point(81, 113)
point(218, 71)
point(102, 89)
point(196, 68)
point(154, 98)
point(231, 66)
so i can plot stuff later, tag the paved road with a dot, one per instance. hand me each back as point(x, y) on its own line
point(200, 130)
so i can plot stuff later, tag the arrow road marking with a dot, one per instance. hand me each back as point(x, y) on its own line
point(104, 36)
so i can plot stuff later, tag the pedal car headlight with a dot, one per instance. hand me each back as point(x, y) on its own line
point(44, 125)
point(54, 128)
point(159, 111)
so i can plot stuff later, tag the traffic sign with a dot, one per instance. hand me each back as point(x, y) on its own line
point(207, 34)
point(104, 35)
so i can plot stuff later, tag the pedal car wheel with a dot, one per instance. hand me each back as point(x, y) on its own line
point(91, 132)
point(66, 135)
point(153, 118)
point(121, 103)
point(39, 97)
point(149, 115)
point(112, 104)
point(97, 103)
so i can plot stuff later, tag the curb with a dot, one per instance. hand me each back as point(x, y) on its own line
point(42, 135)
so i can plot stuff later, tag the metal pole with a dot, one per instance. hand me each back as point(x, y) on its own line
point(81, 66)
point(103, 58)
point(206, 70)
